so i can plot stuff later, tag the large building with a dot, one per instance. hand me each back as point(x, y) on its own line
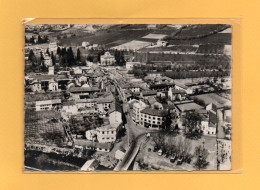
point(47, 104)
point(153, 118)
point(53, 47)
point(137, 107)
point(107, 59)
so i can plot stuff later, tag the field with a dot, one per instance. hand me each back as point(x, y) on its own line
point(178, 48)
point(193, 31)
point(135, 45)
point(155, 36)
point(107, 38)
point(219, 38)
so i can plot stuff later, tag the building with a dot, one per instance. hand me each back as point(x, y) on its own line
point(130, 65)
point(153, 118)
point(115, 113)
point(181, 86)
point(53, 85)
point(47, 104)
point(53, 47)
point(108, 133)
point(51, 70)
point(36, 86)
point(91, 135)
point(137, 107)
point(104, 104)
point(107, 59)
point(174, 94)
point(47, 61)
point(70, 107)
point(85, 44)
point(83, 92)
point(162, 87)
point(182, 108)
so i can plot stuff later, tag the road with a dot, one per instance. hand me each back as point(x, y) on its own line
point(135, 134)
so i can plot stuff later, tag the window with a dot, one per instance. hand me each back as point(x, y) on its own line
point(153, 117)
point(112, 132)
point(103, 132)
point(153, 121)
point(158, 122)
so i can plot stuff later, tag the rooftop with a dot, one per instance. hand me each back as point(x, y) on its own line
point(84, 89)
point(154, 112)
point(188, 107)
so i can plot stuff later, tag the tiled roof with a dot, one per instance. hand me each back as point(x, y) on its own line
point(174, 91)
point(84, 89)
point(188, 107)
point(149, 92)
point(154, 112)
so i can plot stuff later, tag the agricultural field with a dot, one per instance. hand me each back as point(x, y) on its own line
point(45, 134)
point(192, 31)
point(135, 45)
point(106, 38)
point(219, 38)
point(155, 36)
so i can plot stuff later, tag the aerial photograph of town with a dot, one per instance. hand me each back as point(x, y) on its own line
point(127, 97)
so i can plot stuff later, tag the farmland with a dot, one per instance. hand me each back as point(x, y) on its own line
point(106, 38)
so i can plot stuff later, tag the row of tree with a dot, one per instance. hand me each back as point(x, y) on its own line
point(180, 148)
point(38, 40)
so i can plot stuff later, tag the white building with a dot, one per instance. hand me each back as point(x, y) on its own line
point(53, 47)
point(130, 65)
point(53, 85)
point(85, 44)
point(36, 86)
point(70, 107)
point(137, 107)
point(107, 59)
point(51, 71)
point(47, 104)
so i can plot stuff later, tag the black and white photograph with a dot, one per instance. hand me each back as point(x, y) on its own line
point(127, 97)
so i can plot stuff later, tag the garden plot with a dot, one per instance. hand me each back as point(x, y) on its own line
point(132, 45)
point(155, 36)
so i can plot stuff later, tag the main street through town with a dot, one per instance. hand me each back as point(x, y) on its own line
point(135, 133)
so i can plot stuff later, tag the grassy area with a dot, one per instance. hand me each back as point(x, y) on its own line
point(107, 38)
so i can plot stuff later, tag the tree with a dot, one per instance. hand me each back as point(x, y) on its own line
point(70, 57)
point(201, 155)
point(78, 55)
point(53, 58)
point(32, 57)
point(26, 40)
point(192, 122)
point(32, 40)
point(39, 40)
point(47, 51)
point(58, 51)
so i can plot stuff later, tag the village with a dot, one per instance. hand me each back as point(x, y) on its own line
point(141, 104)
